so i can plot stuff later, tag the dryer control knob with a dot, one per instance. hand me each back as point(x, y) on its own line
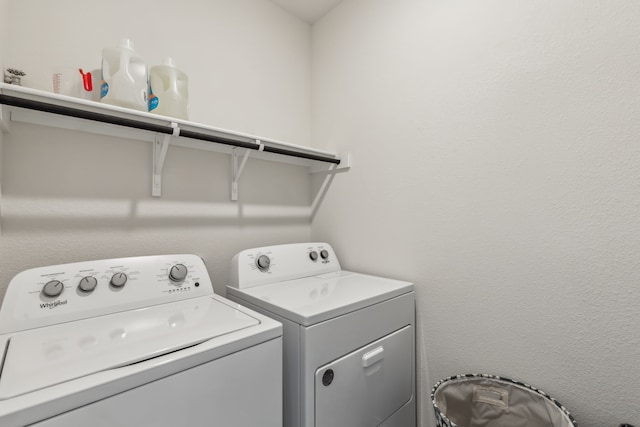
point(178, 273)
point(263, 262)
point(118, 280)
point(313, 255)
point(88, 284)
point(324, 254)
point(53, 288)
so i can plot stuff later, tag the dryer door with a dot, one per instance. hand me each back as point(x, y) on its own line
point(365, 387)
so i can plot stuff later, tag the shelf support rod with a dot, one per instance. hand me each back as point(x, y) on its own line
point(237, 168)
point(79, 110)
point(160, 147)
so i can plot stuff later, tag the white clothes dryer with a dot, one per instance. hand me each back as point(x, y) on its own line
point(349, 340)
point(130, 342)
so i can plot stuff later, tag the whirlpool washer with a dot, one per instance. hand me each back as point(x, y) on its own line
point(349, 340)
point(134, 342)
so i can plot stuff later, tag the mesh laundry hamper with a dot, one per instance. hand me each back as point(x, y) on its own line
point(491, 401)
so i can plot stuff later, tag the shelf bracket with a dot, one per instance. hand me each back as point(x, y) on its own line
point(160, 147)
point(237, 166)
point(328, 175)
point(344, 166)
point(4, 119)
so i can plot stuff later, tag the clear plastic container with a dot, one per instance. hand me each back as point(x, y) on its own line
point(72, 81)
point(124, 77)
point(168, 90)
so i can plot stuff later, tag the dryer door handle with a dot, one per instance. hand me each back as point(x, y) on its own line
point(373, 356)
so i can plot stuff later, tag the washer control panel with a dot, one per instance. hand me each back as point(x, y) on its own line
point(271, 264)
point(61, 293)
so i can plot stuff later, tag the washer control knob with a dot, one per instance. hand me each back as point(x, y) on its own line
point(88, 284)
point(178, 273)
point(313, 255)
point(53, 288)
point(118, 280)
point(324, 254)
point(263, 262)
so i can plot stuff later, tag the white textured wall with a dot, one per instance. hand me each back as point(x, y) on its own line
point(4, 32)
point(497, 165)
point(4, 35)
point(71, 196)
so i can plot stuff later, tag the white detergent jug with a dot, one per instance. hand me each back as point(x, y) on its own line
point(168, 90)
point(124, 77)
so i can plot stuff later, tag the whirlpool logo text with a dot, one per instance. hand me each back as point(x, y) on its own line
point(54, 304)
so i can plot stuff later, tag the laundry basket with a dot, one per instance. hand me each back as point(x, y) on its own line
point(491, 401)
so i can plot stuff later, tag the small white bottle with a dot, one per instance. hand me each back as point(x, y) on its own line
point(124, 77)
point(168, 90)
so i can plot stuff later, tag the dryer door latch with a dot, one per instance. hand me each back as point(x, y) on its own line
point(372, 357)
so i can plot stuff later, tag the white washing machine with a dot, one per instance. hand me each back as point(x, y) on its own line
point(349, 338)
point(134, 342)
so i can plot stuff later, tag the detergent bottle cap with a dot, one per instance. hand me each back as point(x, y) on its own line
point(126, 44)
point(169, 62)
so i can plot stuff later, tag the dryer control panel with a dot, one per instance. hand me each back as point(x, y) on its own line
point(272, 264)
point(61, 293)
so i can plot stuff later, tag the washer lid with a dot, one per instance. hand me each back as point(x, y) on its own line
point(43, 357)
point(315, 299)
